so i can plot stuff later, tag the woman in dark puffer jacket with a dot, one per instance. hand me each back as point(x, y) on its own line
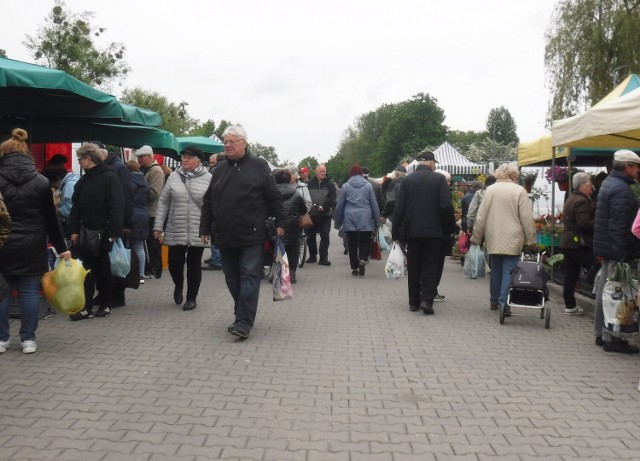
point(23, 258)
point(294, 206)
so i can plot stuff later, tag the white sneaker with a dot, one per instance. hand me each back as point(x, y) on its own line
point(29, 347)
point(574, 311)
point(4, 345)
point(141, 281)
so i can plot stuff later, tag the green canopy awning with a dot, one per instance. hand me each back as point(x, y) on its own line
point(38, 94)
point(205, 144)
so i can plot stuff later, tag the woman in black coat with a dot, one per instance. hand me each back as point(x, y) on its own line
point(23, 258)
point(98, 204)
point(294, 206)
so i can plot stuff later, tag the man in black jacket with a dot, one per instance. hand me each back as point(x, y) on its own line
point(425, 211)
point(323, 198)
point(241, 196)
point(612, 238)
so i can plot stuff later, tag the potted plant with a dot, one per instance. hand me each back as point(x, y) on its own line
point(528, 178)
point(561, 176)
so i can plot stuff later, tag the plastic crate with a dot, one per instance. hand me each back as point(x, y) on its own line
point(546, 240)
point(44, 309)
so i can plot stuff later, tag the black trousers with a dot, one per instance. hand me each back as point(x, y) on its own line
point(359, 247)
point(99, 277)
point(292, 249)
point(322, 227)
point(155, 253)
point(180, 254)
point(573, 261)
point(423, 257)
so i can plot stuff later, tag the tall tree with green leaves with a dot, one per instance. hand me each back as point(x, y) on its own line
point(66, 42)
point(590, 46)
point(416, 123)
point(3, 53)
point(175, 117)
point(501, 127)
point(266, 152)
point(461, 140)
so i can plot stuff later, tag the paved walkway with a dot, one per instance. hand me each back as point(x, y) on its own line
point(344, 372)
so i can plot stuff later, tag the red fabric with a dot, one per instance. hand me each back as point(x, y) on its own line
point(59, 148)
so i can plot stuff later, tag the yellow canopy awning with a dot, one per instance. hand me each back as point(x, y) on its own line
point(539, 151)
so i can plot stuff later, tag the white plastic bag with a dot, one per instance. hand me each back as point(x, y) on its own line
point(120, 259)
point(394, 269)
point(474, 263)
point(619, 300)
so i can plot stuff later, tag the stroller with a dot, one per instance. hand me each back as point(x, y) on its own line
point(528, 288)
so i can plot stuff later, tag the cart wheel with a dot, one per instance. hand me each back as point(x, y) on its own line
point(302, 251)
point(501, 314)
point(547, 317)
point(542, 312)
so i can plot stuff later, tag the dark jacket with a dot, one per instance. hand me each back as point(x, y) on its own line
point(29, 200)
point(377, 191)
point(423, 207)
point(140, 229)
point(390, 198)
point(114, 162)
point(98, 202)
point(293, 206)
point(240, 197)
point(464, 204)
point(615, 211)
point(323, 194)
point(578, 222)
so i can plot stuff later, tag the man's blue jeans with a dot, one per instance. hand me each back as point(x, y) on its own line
point(501, 267)
point(242, 268)
point(27, 287)
point(215, 256)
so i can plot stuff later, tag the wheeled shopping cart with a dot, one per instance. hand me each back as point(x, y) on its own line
point(528, 289)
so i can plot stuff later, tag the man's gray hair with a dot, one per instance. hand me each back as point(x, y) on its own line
point(507, 170)
point(579, 179)
point(236, 130)
point(92, 152)
point(293, 170)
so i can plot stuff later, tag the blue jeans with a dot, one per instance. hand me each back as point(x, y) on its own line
point(137, 245)
point(242, 269)
point(501, 267)
point(215, 256)
point(27, 287)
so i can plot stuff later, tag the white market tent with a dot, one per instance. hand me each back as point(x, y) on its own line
point(613, 122)
point(452, 161)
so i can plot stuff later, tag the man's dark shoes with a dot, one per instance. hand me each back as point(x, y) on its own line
point(103, 311)
point(413, 308)
point(157, 273)
point(623, 348)
point(240, 332)
point(312, 259)
point(82, 315)
point(177, 295)
point(231, 327)
point(189, 305)
point(361, 268)
point(211, 267)
point(427, 307)
point(324, 262)
point(599, 341)
point(354, 272)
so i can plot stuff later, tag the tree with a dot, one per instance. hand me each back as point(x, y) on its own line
point(590, 45)
point(175, 117)
point(65, 42)
point(487, 150)
point(461, 140)
point(203, 129)
point(266, 152)
point(501, 127)
point(3, 53)
point(415, 124)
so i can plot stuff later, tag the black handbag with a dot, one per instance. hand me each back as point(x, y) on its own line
point(90, 241)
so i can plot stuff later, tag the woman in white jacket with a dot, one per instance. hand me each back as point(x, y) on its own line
point(179, 212)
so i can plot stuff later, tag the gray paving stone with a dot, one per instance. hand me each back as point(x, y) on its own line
point(343, 372)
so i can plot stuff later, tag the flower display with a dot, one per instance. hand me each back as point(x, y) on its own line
point(561, 174)
point(528, 176)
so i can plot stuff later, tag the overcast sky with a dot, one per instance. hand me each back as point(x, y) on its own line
point(296, 74)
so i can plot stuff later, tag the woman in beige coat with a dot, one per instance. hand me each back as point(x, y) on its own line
point(505, 223)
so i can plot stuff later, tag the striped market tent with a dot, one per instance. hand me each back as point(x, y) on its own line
point(455, 163)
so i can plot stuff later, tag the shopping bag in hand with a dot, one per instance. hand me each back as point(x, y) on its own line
point(120, 259)
point(384, 246)
point(63, 287)
point(394, 269)
point(474, 263)
point(282, 289)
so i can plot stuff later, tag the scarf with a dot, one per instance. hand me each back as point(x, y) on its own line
point(189, 174)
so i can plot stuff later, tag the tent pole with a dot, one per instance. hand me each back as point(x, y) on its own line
point(553, 198)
